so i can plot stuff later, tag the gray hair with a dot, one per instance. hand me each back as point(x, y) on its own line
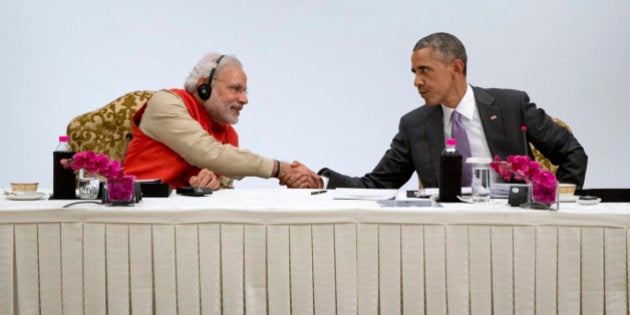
point(445, 44)
point(204, 66)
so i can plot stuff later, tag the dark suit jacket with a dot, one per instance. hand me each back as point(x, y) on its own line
point(420, 141)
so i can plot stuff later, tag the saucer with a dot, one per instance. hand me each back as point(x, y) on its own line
point(571, 198)
point(24, 196)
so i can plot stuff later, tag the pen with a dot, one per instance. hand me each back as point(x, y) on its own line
point(318, 192)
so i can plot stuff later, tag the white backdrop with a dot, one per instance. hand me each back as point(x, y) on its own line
point(328, 79)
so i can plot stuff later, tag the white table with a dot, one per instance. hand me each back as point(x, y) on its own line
point(288, 252)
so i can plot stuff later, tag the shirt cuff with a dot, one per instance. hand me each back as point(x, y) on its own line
point(325, 180)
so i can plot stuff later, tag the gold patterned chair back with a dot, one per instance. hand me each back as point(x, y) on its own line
point(103, 130)
point(545, 164)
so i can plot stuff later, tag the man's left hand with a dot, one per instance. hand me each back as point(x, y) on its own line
point(205, 178)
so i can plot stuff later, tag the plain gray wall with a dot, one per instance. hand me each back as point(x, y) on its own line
point(328, 80)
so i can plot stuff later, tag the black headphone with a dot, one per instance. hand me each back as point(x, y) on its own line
point(205, 89)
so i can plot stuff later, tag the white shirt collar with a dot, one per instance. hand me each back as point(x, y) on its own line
point(466, 106)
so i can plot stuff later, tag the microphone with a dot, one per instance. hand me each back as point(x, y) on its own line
point(524, 132)
point(128, 138)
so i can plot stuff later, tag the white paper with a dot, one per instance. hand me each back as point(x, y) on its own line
point(364, 194)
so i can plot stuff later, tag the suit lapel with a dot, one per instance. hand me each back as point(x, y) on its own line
point(491, 119)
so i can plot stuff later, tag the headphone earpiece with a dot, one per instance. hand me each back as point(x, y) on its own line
point(205, 90)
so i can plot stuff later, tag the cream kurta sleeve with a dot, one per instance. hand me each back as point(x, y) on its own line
point(166, 119)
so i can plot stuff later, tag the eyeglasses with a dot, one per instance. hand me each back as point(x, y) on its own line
point(236, 88)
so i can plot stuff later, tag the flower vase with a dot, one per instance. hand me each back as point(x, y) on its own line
point(543, 196)
point(121, 190)
point(88, 186)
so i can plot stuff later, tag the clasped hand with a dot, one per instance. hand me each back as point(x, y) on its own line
point(294, 175)
point(297, 175)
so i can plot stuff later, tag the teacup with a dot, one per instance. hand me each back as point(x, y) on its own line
point(24, 188)
point(566, 192)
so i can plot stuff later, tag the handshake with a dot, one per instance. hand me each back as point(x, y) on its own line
point(297, 175)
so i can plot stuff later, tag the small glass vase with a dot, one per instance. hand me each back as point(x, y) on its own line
point(544, 197)
point(120, 191)
point(88, 186)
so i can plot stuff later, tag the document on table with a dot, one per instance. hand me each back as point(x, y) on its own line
point(500, 190)
point(364, 194)
point(384, 197)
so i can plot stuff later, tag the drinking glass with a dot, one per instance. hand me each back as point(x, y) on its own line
point(480, 179)
point(88, 186)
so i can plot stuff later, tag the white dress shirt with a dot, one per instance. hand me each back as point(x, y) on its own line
point(467, 108)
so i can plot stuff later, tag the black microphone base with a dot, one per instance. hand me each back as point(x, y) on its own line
point(158, 190)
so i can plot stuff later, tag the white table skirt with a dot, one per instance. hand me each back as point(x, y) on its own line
point(287, 252)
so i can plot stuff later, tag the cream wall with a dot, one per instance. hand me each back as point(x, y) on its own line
point(328, 79)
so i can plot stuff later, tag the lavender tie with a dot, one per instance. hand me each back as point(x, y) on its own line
point(458, 132)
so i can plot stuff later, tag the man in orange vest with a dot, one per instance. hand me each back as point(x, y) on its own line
point(185, 136)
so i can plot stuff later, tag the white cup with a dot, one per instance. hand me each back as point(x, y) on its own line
point(480, 179)
point(566, 192)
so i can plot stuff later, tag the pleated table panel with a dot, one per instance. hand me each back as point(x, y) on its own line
point(313, 259)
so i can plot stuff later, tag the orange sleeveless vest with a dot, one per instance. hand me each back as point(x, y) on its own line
point(149, 159)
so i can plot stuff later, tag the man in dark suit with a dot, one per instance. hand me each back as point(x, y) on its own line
point(492, 120)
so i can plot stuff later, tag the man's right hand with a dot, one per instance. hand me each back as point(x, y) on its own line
point(297, 175)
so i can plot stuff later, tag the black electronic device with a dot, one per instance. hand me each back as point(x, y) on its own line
point(194, 191)
point(155, 188)
point(606, 194)
point(518, 194)
point(205, 90)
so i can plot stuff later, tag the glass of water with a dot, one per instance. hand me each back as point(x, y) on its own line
point(480, 179)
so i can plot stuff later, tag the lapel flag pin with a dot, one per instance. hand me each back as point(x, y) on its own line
point(493, 117)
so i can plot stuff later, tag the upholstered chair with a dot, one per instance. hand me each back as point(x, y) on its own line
point(103, 130)
point(545, 164)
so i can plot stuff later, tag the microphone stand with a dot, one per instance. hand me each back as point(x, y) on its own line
point(128, 138)
point(524, 132)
